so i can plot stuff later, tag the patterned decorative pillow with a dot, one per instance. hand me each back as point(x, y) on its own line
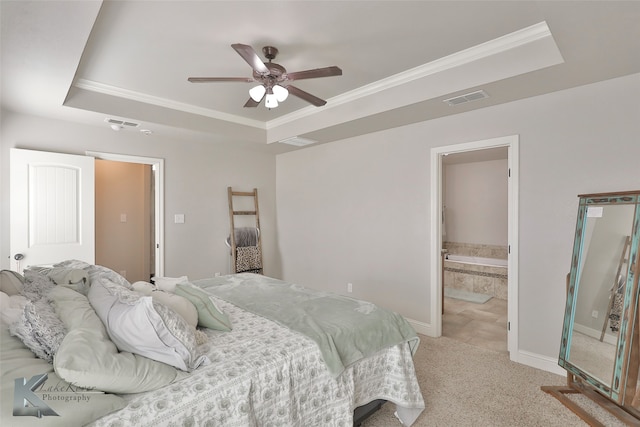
point(137, 324)
point(40, 329)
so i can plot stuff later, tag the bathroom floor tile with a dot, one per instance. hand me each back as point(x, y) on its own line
point(482, 325)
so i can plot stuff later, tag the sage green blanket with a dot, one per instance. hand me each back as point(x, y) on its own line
point(345, 329)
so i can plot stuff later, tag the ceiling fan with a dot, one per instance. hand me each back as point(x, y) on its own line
point(273, 78)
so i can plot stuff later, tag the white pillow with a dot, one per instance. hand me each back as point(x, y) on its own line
point(169, 283)
point(144, 288)
point(138, 325)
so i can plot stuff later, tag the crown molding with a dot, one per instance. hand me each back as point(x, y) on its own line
point(106, 89)
point(499, 45)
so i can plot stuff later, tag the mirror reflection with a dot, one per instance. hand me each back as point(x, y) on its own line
point(601, 287)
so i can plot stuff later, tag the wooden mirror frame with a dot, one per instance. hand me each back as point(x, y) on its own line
point(621, 397)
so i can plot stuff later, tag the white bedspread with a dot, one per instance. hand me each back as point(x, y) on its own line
point(263, 374)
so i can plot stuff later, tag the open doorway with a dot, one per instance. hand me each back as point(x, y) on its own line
point(124, 218)
point(510, 144)
point(129, 215)
point(474, 243)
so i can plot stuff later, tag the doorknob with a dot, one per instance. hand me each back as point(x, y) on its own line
point(18, 258)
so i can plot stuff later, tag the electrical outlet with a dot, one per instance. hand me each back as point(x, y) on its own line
point(217, 274)
point(594, 314)
point(349, 287)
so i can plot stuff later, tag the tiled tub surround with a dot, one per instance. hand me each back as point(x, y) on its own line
point(474, 249)
point(482, 279)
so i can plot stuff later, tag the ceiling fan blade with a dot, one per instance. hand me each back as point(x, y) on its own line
point(220, 79)
point(251, 103)
point(306, 96)
point(312, 74)
point(252, 58)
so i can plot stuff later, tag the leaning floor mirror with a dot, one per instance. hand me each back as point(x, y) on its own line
point(600, 347)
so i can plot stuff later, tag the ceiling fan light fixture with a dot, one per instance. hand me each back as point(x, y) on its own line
point(271, 101)
point(257, 92)
point(280, 92)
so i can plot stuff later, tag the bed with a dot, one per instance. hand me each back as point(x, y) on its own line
point(257, 363)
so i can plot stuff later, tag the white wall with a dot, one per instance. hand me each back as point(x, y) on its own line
point(357, 210)
point(196, 179)
point(476, 200)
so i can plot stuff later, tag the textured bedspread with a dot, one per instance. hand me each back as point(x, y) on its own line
point(263, 374)
point(345, 329)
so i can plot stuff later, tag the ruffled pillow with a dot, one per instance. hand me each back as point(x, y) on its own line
point(40, 329)
point(139, 325)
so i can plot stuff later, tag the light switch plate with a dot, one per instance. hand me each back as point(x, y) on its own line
point(178, 218)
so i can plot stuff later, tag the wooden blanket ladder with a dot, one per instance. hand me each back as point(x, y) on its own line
point(245, 258)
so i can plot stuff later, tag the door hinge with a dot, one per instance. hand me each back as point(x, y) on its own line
point(508, 326)
point(509, 249)
point(509, 174)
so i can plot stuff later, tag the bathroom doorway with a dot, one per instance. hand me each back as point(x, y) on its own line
point(504, 307)
point(474, 242)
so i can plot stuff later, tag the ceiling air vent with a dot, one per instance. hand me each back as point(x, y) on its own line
point(122, 123)
point(297, 141)
point(473, 96)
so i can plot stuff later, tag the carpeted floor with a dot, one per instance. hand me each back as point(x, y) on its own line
point(464, 385)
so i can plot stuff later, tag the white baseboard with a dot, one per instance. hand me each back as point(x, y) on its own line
point(422, 328)
point(539, 361)
point(527, 358)
point(593, 333)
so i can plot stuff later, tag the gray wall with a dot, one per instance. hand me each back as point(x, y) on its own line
point(357, 210)
point(197, 175)
point(476, 199)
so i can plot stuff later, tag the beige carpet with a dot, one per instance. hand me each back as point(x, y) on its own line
point(464, 385)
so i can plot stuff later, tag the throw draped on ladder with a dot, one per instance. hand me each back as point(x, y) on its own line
point(245, 242)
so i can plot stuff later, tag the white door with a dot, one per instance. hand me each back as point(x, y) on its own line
point(51, 208)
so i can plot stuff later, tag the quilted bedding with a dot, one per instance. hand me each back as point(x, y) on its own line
point(263, 374)
point(259, 373)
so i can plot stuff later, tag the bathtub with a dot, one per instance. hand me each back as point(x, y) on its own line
point(475, 260)
point(481, 275)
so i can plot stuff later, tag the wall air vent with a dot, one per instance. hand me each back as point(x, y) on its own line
point(122, 123)
point(297, 141)
point(461, 99)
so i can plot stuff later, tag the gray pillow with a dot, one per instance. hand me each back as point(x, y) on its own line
point(40, 329)
point(95, 272)
point(11, 282)
point(89, 359)
point(36, 285)
point(19, 362)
